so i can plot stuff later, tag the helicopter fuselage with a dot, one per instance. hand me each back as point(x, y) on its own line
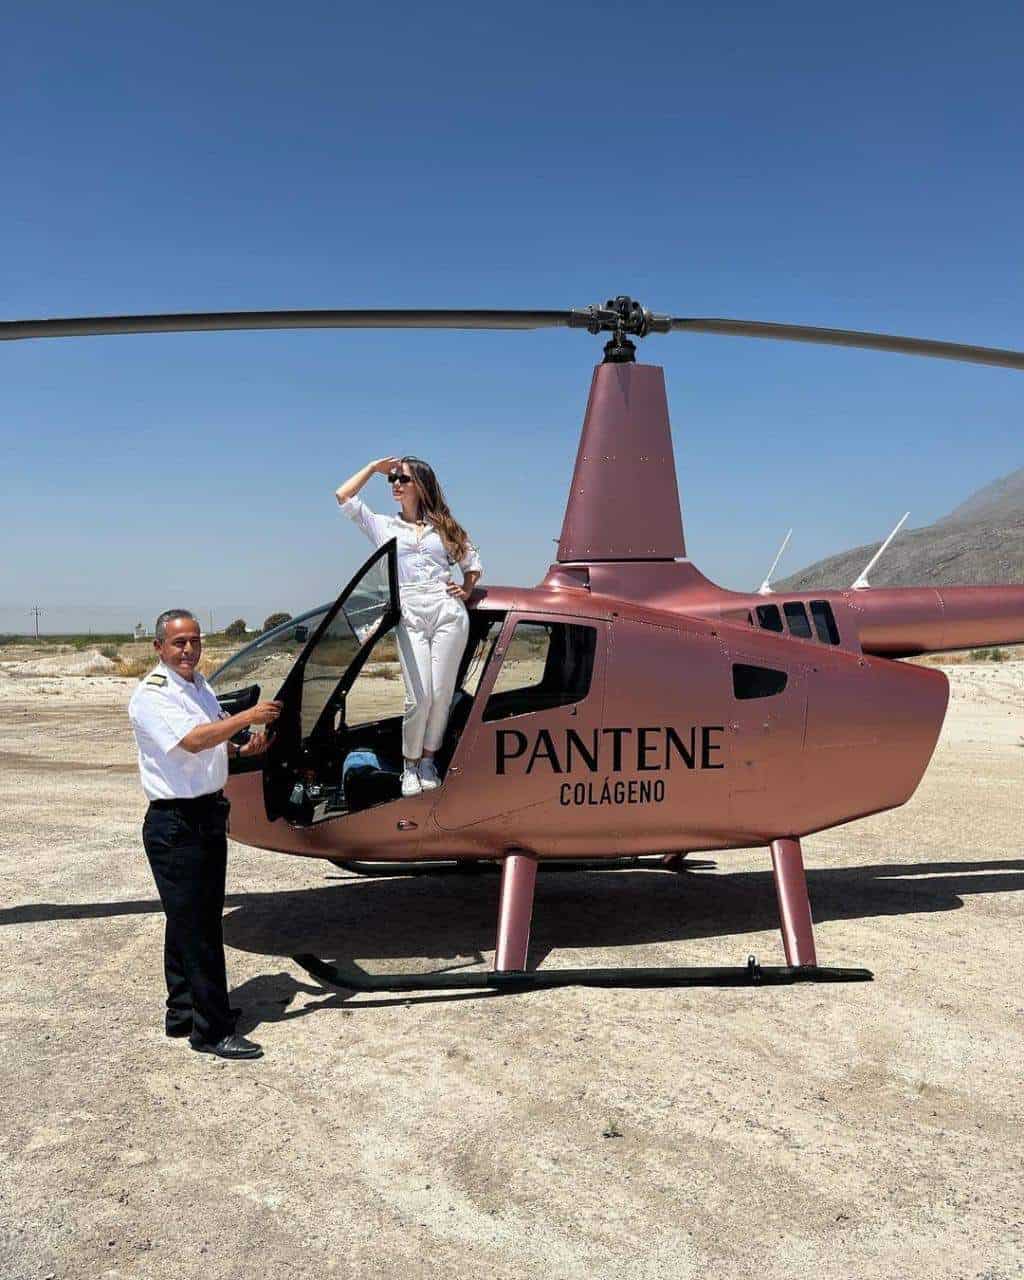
point(691, 734)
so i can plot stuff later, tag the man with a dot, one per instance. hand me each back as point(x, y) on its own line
point(182, 736)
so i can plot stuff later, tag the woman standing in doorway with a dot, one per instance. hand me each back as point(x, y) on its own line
point(434, 627)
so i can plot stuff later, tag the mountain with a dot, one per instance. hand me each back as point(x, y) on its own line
point(980, 541)
point(1000, 501)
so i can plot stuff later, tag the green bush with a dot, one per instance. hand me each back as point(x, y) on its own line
point(993, 654)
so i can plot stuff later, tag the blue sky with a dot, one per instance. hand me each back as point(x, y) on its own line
point(854, 167)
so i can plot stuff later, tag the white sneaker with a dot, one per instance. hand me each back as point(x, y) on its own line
point(410, 781)
point(429, 776)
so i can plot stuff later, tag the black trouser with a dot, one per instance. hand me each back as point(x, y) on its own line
point(186, 844)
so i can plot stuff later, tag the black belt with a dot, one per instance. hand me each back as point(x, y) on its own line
point(188, 802)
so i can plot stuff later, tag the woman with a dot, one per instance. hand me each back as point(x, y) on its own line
point(434, 627)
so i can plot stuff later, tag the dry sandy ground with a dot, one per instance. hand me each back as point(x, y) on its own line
point(866, 1130)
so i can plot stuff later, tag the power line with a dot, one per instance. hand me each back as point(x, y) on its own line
point(37, 611)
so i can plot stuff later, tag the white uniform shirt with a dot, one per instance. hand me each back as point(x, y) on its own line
point(422, 561)
point(162, 710)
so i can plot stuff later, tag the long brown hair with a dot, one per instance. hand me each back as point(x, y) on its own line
point(434, 507)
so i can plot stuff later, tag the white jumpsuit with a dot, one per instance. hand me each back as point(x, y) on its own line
point(434, 627)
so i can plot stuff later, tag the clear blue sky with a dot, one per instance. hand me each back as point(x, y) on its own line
point(854, 166)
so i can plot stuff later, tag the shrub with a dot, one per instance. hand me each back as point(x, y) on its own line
point(275, 620)
point(235, 630)
point(993, 654)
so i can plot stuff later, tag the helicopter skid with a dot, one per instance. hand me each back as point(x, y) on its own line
point(519, 870)
point(751, 974)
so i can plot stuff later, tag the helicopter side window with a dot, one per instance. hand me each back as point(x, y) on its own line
point(546, 664)
point(796, 616)
point(768, 617)
point(824, 622)
point(756, 682)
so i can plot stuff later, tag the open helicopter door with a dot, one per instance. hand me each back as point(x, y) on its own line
point(302, 770)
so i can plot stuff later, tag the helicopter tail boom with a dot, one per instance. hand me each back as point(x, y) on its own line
point(903, 622)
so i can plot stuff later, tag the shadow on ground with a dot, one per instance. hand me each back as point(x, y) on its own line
point(443, 923)
point(438, 918)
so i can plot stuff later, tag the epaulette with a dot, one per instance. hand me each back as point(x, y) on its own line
point(156, 679)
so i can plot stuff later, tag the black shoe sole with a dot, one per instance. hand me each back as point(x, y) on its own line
point(247, 1056)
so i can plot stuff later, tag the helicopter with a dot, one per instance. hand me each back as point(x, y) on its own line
point(625, 703)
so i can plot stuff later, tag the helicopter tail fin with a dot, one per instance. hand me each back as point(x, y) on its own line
point(624, 501)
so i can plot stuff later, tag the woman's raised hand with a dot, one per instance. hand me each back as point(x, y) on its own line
point(383, 465)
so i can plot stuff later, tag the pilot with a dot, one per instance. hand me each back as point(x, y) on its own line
point(435, 626)
point(182, 736)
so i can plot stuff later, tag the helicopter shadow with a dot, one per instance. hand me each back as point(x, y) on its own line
point(438, 924)
point(442, 923)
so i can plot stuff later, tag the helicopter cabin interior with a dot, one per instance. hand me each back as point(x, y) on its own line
point(338, 744)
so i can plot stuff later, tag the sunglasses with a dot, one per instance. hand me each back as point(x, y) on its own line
point(396, 477)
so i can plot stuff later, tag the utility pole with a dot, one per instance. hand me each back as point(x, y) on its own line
point(37, 611)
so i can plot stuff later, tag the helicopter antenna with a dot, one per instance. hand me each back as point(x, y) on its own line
point(862, 582)
point(765, 588)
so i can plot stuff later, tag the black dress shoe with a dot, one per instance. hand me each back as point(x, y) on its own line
point(233, 1047)
point(181, 1029)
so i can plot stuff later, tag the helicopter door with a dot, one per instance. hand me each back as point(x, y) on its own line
point(543, 684)
point(307, 747)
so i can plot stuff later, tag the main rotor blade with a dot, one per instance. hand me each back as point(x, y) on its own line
point(852, 338)
point(201, 321)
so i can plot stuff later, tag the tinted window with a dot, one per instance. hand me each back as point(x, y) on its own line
point(796, 616)
point(768, 617)
point(824, 622)
point(756, 682)
point(546, 664)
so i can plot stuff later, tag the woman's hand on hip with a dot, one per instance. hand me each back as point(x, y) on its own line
point(460, 593)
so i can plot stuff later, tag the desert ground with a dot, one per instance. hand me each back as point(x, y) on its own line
point(868, 1130)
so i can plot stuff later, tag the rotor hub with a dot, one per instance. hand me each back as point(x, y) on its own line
point(624, 318)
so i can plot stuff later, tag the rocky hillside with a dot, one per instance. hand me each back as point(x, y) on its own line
point(981, 541)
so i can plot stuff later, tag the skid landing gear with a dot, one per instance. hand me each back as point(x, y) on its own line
point(518, 880)
point(749, 975)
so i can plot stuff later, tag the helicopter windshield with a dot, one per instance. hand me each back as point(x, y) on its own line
point(267, 661)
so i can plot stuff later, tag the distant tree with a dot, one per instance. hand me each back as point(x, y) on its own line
point(235, 630)
point(275, 620)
